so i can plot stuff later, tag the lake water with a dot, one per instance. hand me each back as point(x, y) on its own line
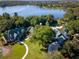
point(30, 10)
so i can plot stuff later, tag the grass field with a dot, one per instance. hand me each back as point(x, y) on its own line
point(17, 53)
point(34, 51)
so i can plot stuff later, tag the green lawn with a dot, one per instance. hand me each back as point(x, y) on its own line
point(34, 51)
point(18, 52)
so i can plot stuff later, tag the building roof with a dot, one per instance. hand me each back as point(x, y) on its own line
point(16, 34)
point(59, 40)
point(53, 46)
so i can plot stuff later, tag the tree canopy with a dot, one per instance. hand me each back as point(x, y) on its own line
point(73, 26)
point(43, 34)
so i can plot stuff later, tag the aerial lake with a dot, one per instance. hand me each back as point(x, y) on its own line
point(31, 10)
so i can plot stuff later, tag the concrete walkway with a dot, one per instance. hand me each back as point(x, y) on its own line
point(57, 27)
point(26, 53)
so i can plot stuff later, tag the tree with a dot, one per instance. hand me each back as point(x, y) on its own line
point(6, 15)
point(34, 21)
point(67, 18)
point(15, 14)
point(73, 26)
point(56, 55)
point(43, 34)
point(71, 48)
point(50, 18)
point(20, 21)
point(71, 14)
point(5, 23)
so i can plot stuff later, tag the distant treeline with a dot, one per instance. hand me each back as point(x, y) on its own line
point(13, 3)
point(40, 3)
